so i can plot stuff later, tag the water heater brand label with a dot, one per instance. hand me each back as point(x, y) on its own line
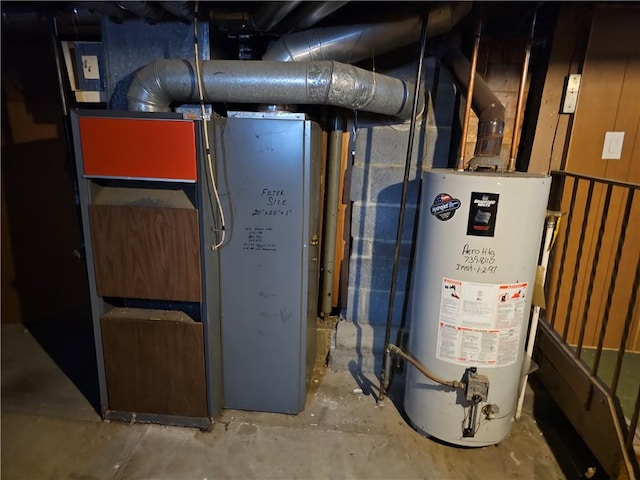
point(480, 324)
point(444, 206)
point(483, 209)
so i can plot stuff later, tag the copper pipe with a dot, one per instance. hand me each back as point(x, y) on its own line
point(467, 109)
point(511, 166)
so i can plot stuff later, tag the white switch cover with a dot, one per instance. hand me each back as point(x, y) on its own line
point(612, 149)
point(90, 69)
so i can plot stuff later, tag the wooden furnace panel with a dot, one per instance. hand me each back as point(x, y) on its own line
point(146, 252)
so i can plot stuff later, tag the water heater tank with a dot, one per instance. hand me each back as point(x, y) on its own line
point(476, 256)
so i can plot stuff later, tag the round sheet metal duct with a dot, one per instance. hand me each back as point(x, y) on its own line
point(353, 43)
point(162, 82)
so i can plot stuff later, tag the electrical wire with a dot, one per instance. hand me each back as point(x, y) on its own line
point(207, 142)
point(553, 142)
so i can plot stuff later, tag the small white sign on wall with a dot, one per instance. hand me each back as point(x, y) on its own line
point(90, 69)
point(612, 148)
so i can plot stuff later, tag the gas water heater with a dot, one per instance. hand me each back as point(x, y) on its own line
point(477, 248)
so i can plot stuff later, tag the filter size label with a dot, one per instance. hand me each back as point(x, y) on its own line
point(480, 324)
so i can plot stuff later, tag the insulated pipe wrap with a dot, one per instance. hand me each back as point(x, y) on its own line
point(162, 82)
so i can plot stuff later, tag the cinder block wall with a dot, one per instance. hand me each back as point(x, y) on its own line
point(376, 187)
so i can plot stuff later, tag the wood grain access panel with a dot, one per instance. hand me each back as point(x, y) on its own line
point(154, 362)
point(146, 252)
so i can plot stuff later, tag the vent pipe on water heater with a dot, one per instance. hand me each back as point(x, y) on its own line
point(485, 103)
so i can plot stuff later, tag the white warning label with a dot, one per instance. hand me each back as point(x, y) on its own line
point(480, 324)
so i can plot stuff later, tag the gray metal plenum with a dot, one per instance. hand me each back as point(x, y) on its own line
point(354, 43)
point(162, 82)
point(484, 102)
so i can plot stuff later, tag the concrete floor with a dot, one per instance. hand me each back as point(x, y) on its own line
point(50, 431)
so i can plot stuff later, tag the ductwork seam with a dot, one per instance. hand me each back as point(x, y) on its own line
point(319, 75)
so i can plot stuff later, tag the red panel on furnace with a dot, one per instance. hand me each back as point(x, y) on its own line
point(138, 148)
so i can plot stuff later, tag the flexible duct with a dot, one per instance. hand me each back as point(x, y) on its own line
point(162, 82)
point(354, 43)
point(485, 103)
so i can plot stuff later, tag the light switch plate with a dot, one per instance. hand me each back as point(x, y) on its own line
point(612, 148)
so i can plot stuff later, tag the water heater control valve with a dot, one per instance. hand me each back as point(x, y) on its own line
point(477, 386)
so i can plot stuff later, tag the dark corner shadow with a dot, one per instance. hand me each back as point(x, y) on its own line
point(41, 224)
point(570, 451)
point(49, 280)
point(72, 349)
point(369, 386)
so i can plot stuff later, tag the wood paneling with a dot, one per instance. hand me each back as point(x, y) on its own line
point(146, 252)
point(609, 100)
point(154, 362)
point(340, 279)
point(552, 129)
point(609, 96)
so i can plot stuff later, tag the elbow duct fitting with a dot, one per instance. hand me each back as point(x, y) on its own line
point(163, 82)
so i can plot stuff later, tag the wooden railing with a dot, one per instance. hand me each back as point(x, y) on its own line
point(593, 315)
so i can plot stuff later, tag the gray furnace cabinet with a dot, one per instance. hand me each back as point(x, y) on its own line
point(268, 169)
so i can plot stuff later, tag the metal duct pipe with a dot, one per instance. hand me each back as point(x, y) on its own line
point(271, 14)
point(486, 105)
point(309, 14)
point(37, 21)
point(150, 12)
point(358, 42)
point(162, 82)
point(108, 9)
point(183, 10)
point(331, 214)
